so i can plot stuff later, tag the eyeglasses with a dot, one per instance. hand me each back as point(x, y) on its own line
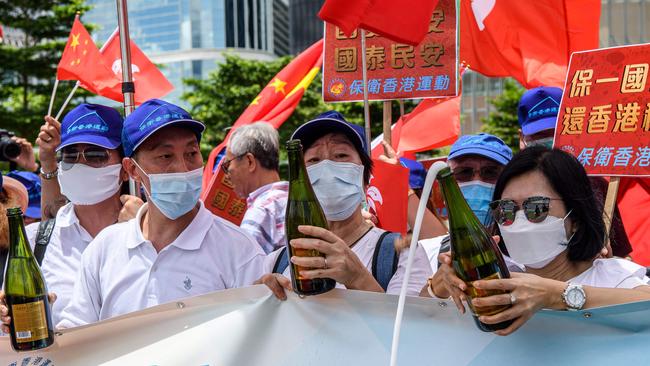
point(226, 163)
point(93, 156)
point(535, 208)
point(487, 173)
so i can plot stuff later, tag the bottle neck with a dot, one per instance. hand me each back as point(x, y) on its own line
point(457, 208)
point(18, 245)
point(297, 169)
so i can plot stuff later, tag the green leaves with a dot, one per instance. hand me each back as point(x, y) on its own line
point(503, 122)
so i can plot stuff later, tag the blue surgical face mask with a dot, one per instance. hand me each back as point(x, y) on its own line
point(478, 195)
point(174, 194)
point(546, 142)
point(338, 186)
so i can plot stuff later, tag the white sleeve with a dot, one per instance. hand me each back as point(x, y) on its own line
point(85, 302)
point(420, 272)
point(31, 230)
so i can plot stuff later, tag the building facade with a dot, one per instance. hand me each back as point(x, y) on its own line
point(305, 25)
point(187, 38)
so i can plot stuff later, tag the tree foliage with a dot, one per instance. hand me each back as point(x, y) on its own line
point(222, 97)
point(27, 72)
point(503, 122)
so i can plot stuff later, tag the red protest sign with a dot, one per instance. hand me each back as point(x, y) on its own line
point(222, 200)
point(604, 118)
point(395, 70)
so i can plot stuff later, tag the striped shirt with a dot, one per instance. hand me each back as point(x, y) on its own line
point(264, 219)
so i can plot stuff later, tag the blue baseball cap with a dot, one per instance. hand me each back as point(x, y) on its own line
point(538, 109)
point(330, 122)
point(32, 183)
point(417, 173)
point(150, 117)
point(91, 124)
point(483, 144)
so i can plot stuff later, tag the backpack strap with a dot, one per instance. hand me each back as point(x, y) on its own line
point(385, 259)
point(43, 235)
point(282, 261)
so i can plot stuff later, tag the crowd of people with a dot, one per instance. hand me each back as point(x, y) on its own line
point(104, 253)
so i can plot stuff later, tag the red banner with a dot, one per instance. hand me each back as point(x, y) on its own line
point(222, 200)
point(395, 70)
point(604, 117)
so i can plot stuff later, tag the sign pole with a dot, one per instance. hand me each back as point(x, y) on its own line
point(128, 88)
point(366, 105)
point(610, 205)
point(388, 121)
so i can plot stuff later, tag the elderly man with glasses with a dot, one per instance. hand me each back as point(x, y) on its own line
point(251, 164)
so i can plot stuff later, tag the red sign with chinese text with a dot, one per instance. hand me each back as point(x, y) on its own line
point(222, 199)
point(395, 70)
point(604, 118)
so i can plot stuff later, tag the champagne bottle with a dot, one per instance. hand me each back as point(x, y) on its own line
point(303, 209)
point(475, 256)
point(25, 290)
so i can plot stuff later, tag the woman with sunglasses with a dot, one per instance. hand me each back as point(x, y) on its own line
point(550, 223)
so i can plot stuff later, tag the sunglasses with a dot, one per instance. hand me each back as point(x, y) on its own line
point(226, 163)
point(93, 156)
point(487, 173)
point(535, 209)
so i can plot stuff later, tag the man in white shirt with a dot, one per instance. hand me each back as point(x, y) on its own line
point(174, 248)
point(251, 163)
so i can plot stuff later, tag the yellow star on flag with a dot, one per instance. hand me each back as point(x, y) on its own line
point(75, 41)
point(256, 101)
point(278, 85)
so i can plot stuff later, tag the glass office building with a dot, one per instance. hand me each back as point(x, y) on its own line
point(188, 37)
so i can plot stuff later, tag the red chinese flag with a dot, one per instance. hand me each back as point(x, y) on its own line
point(439, 117)
point(530, 41)
point(634, 205)
point(277, 101)
point(387, 195)
point(82, 61)
point(149, 81)
point(399, 21)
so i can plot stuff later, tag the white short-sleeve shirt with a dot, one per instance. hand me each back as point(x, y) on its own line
point(364, 249)
point(122, 272)
point(62, 257)
point(613, 273)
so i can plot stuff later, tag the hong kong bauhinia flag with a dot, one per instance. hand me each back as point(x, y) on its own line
point(530, 41)
point(82, 61)
point(149, 81)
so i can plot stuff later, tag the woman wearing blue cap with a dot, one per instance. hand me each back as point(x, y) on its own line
point(339, 169)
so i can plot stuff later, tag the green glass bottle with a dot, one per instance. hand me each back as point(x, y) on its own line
point(303, 209)
point(25, 291)
point(475, 256)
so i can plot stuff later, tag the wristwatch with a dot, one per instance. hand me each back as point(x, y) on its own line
point(48, 176)
point(574, 297)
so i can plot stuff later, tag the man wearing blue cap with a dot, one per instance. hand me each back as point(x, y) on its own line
point(174, 247)
point(339, 169)
point(538, 111)
point(33, 185)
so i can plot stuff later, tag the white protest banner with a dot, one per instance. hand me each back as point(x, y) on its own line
point(250, 327)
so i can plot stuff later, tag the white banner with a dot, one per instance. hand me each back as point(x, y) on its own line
point(250, 327)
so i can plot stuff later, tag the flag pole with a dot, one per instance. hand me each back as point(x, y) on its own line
point(366, 105)
point(128, 88)
point(67, 100)
point(49, 108)
point(388, 121)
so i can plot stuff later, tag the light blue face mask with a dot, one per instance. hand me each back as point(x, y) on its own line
point(546, 142)
point(338, 186)
point(174, 194)
point(478, 195)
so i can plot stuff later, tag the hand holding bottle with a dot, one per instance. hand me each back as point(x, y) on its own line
point(5, 319)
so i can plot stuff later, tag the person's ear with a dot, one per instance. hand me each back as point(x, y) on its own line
point(522, 143)
point(131, 170)
point(251, 163)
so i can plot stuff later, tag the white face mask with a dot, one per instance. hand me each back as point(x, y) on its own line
point(338, 186)
point(535, 245)
point(84, 185)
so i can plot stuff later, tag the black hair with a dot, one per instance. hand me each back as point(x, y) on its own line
point(366, 160)
point(569, 179)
